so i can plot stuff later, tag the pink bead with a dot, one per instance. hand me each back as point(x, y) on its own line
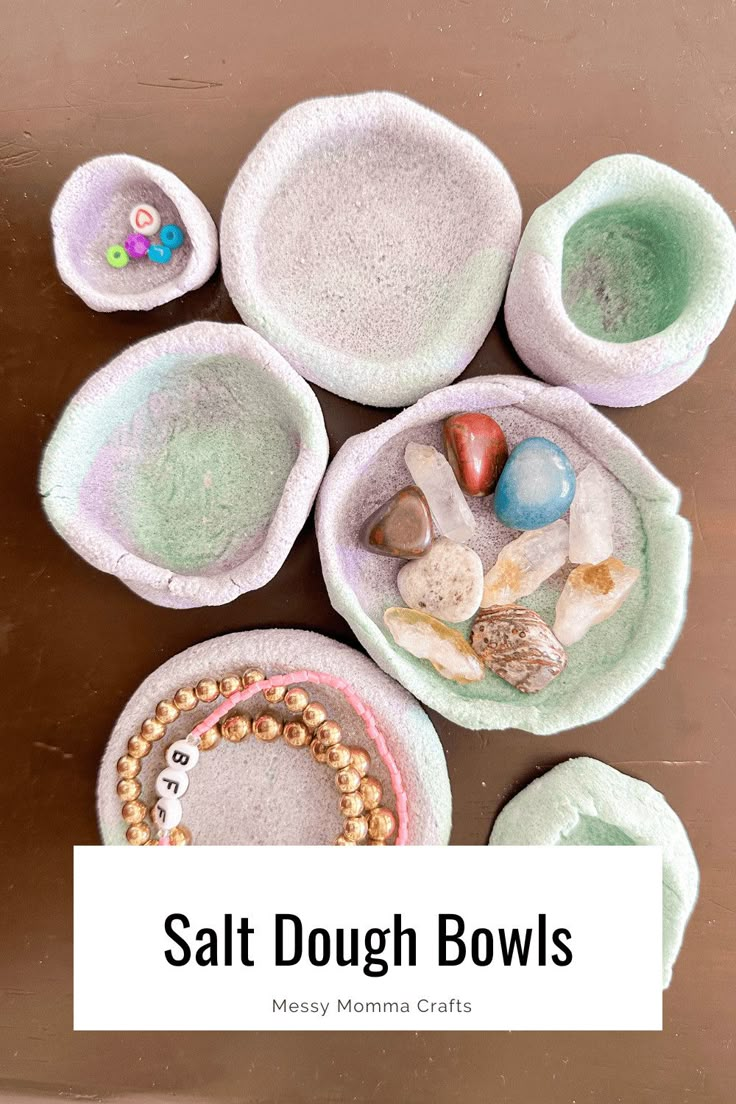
point(136, 245)
point(164, 842)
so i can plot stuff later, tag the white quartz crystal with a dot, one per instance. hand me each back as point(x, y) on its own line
point(434, 476)
point(525, 563)
point(591, 518)
point(427, 638)
point(592, 594)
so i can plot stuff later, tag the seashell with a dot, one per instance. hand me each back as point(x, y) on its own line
point(516, 644)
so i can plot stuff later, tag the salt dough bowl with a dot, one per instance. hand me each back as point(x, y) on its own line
point(370, 241)
point(258, 793)
point(187, 465)
point(622, 281)
point(583, 803)
point(616, 657)
point(92, 212)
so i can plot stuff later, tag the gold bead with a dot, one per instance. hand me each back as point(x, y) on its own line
point(347, 780)
point(235, 728)
point(314, 715)
point(330, 733)
point(275, 694)
point(351, 804)
point(134, 812)
point(267, 727)
point(376, 843)
point(128, 766)
point(230, 684)
point(151, 843)
point(138, 747)
point(253, 674)
point(152, 730)
point(166, 712)
point(361, 760)
point(371, 791)
point(185, 699)
point(338, 756)
point(210, 738)
point(138, 834)
point(297, 734)
point(180, 836)
point(342, 842)
point(356, 829)
point(128, 789)
point(381, 824)
point(318, 751)
point(207, 690)
point(296, 699)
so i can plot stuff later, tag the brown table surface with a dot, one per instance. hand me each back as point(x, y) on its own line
point(550, 86)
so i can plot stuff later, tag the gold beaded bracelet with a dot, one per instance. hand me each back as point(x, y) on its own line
point(366, 820)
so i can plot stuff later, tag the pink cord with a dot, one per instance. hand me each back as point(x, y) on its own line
point(369, 720)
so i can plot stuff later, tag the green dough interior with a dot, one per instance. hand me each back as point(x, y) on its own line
point(191, 499)
point(626, 270)
point(192, 462)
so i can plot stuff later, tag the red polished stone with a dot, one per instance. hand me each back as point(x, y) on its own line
point(476, 448)
point(401, 527)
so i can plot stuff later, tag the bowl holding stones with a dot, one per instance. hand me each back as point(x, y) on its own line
point(544, 626)
point(187, 465)
point(130, 235)
point(622, 281)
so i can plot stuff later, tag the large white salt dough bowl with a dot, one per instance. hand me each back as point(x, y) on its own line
point(616, 657)
point(258, 793)
point(585, 803)
point(92, 212)
point(187, 465)
point(622, 281)
point(370, 241)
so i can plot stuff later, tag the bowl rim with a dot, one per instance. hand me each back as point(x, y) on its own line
point(100, 548)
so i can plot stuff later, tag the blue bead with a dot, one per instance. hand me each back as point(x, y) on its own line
point(160, 254)
point(536, 486)
point(172, 235)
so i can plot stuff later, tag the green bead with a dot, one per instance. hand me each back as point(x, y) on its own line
point(117, 257)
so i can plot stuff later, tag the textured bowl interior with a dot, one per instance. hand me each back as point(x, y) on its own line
point(92, 213)
point(196, 453)
point(370, 240)
point(616, 657)
point(258, 793)
point(621, 281)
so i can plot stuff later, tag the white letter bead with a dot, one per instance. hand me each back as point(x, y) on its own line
point(182, 755)
point(145, 219)
point(167, 812)
point(172, 782)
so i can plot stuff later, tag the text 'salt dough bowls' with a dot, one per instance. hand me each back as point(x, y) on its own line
point(622, 281)
point(187, 465)
point(584, 803)
point(256, 792)
point(615, 658)
point(92, 214)
point(370, 241)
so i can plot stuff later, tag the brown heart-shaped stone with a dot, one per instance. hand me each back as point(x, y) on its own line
point(401, 527)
